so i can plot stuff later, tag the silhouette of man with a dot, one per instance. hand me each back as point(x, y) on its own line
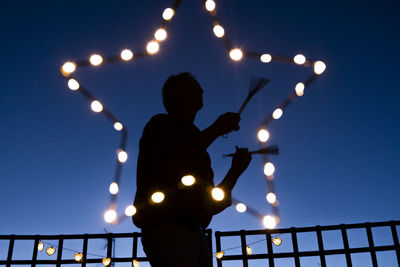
point(170, 148)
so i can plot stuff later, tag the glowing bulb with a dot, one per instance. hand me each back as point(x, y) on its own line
point(240, 207)
point(160, 34)
point(210, 5)
point(73, 84)
point(50, 251)
point(135, 263)
point(78, 257)
point(168, 13)
point(152, 47)
point(158, 197)
point(106, 261)
point(114, 188)
point(118, 126)
point(299, 89)
point(130, 210)
point(110, 216)
point(277, 241)
point(40, 246)
point(269, 169)
point(126, 54)
point(68, 68)
point(219, 31)
point(219, 254)
point(217, 194)
point(271, 198)
point(270, 222)
point(96, 60)
point(265, 58)
point(188, 180)
point(277, 113)
point(319, 67)
point(236, 54)
point(122, 156)
point(263, 135)
point(299, 59)
point(249, 251)
point(96, 106)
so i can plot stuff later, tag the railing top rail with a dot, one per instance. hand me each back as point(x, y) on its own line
point(71, 236)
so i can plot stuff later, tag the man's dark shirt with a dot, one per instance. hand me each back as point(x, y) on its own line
point(168, 150)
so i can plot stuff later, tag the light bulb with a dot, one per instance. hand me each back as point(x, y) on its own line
point(277, 113)
point(96, 106)
point(135, 263)
point(73, 84)
point(106, 261)
point(269, 169)
point(188, 180)
point(152, 47)
point(263, 135)
point(68, 68)
point(265, 58)
point(95, 60)
point(240, 207)
point(114, 188)
point(50, 251)
point(78, 256)
point(130, 210)
point(118, 126)
point(219, 31)
point(271, 198)
point(319, 67)
point(299, 89)
point(157, 197)
point(217, 194)
point(168, 13)
point(40, 246)
point(126, 54)
point(122, 156)
point(236, 54)
point(160, 34)
point(210, 5)
point(219, 254)
point(277, 241)
point(269, 221)
point(110, 216)
point(249, 251)
point(299, 59)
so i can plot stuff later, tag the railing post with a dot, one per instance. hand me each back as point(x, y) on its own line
point(244, 251)
point(134, 246)
point(109, 246)
point(84, 249)
point(218, 247)
point(35, 251)
point(10, 250)
point(395, 240)
point(270, 250)
point(209, 238)
point(346, 245)
point(59, 252)
point(321, 246)
point(371, 245)
point(295, 247)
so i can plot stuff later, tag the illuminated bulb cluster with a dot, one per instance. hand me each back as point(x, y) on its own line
point(78, 257)
point(269, 169)
point(50, 251)
point(126, 54)
point(114, 188)
point(219, 254)
point(110, 216)
point(40, 246)
point(217, 194)
point(118, 126)
point(135, 263)
point(270, 222)
point(68, 67)
point(96, 106)
point(160, 34)
point(277, 114)
point(219, 31)
point(152, 47)
point(96, 60)
point(265, 58)
point(106, 261)
point(168, 13)
point(157, 197)
point(271, 198)
point(249, 251)
point(299, 59)
point(210, 5)
point(130, 211)
point(299, 89)
point(319, 67)
point(236, 54)
point(122, 156)
point(73, 84)
point(263, 135)
point(188, 180)
point(277, 241)
point(240, 207)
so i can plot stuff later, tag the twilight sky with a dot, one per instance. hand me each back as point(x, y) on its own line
point(339, 147)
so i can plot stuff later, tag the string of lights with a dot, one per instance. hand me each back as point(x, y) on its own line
point(236, 54)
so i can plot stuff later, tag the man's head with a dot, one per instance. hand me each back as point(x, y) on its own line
point(182, 93)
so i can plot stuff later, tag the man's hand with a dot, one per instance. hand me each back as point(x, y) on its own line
point(227, 123)
point(240, 160)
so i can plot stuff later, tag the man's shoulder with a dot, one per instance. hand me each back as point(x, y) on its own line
point(157, 120)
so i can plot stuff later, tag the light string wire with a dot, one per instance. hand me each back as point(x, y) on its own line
point(236, 54)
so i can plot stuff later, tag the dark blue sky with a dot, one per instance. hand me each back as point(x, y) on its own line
point(339, 142)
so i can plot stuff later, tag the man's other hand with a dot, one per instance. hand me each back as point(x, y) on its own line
point(241, 160)
point(227, 123)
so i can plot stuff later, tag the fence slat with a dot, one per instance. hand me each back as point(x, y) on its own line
point(59, 252)
point(10, 250)
point(395, 240)
point(270, 251)
point(243, 245)
point(218, 247)
point(295, 247)
point(371, 245)
point(321, 246)
point(346, 245)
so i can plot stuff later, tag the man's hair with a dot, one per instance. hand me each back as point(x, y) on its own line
point(173, 87)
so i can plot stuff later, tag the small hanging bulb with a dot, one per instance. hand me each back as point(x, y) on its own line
point(67, 68)
point(299, 89)
point(270, 222)
point(217, 194)
point(277, 113)
point(130, 210)
point(269, 169)
point(188, 180)
point(96, 106)
point(236, 54)
point(152, 47)
point(277, 241)
point(135, 263)
point(110, 216)
point(219, 31)
point(126, 54)
point(114, 188)
point(319, 67)
point(95, 60)
point(299, 59)
point(118, 126)
point(210, 5)
point(106, 261)
point(219, 254)
point(263, 135)
point(78, 257)
point(50, 251)
point(240, 207)
point(40, 246)
point(168, 13)
point(160, 34)
point(249, 251)
point(122, 156)
point(271, 198)
point(73, 84)
point(157, 197)
point(265, 58)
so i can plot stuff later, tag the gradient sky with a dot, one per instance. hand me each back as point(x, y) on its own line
point(339, 147)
